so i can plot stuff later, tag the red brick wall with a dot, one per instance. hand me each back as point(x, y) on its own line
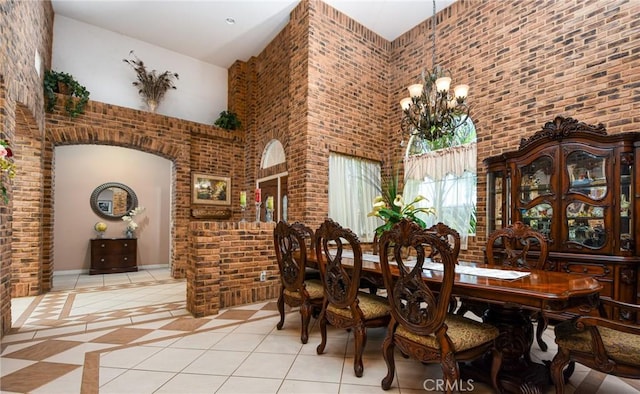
point(26, 28)
point(328, 84)
point(527, 62)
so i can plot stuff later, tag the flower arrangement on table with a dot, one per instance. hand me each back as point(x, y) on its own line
point(7, 167)
point(397, 210)
point(131, 223)
point(390, 207)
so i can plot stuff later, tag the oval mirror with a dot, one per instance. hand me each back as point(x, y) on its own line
point(113, 200)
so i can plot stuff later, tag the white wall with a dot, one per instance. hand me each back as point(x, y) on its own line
point(93, 56)
point(78, 170)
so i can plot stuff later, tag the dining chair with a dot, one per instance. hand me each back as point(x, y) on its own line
point(421, 326)
point(606, 345)
point(517, 246)
point(309, 241)
point(339, 254)
point(295, 291)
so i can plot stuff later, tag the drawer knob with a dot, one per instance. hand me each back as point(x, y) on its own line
point(125, 245)
point(102, 245)
point(102, 260)
point(126, 258)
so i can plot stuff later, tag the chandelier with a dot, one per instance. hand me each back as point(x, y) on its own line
point(432, 111)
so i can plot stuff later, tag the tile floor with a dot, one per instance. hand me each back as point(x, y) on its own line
point(130, 333)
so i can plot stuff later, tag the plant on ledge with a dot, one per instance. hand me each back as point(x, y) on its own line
point(64, 83)
point(152, 86)
point(228, 120)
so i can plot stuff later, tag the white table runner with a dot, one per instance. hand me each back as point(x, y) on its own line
point(460, 269)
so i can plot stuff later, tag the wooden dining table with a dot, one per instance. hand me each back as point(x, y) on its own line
point(510, 302)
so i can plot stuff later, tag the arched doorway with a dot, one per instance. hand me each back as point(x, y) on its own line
point(274, 184)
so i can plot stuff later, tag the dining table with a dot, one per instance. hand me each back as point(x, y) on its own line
point(510, 294)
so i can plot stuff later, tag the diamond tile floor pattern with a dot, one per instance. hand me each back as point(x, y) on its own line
point(131, 333)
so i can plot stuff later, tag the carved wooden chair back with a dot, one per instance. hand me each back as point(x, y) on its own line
point(511, 246)
point(421, 326)
point(448, 234)
point(308, 234)
point(291, 255)
point(339, 255)
point(413, 304)
point(341, 282)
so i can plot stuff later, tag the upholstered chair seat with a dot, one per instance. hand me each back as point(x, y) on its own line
point(372, 306)
point(621, 347)
point(611, 346)
point(464, 334)
point(313, 287)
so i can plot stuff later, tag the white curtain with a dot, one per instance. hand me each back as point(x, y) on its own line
point(353, 184)
point(447, 178)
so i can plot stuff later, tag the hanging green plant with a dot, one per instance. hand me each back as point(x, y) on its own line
point(228, 120)
point(63, 83)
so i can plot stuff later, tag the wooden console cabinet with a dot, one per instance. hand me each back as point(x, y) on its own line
point(113, 255)
point(580, 187)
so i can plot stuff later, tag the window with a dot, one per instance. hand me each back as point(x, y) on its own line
point(353, 184)
point(444, 171)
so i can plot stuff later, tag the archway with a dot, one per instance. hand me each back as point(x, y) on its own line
point(274, 182)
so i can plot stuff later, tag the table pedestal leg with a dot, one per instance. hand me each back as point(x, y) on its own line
point(518, 373)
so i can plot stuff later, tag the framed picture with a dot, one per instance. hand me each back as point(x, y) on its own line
point(105, 206)
point(208, 189)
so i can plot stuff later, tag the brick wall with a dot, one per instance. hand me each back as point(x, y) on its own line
point(328, 84)
point(228, 258)
point(527, 62)
point(26, 28)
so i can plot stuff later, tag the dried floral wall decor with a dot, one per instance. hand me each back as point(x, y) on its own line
point(152, 85)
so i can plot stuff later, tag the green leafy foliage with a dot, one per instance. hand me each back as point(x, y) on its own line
point(228, 120)
point(63, 83)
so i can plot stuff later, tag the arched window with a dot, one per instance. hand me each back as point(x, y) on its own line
point(444, 171)
point(276, 185)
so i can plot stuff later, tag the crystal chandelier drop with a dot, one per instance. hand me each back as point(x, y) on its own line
point(432, 111)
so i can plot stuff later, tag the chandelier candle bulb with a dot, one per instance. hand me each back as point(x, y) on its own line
point(443, 84)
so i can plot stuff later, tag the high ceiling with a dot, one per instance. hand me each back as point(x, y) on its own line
point(199, 29)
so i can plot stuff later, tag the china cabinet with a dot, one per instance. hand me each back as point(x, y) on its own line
point(113, 255)
point(580, 187)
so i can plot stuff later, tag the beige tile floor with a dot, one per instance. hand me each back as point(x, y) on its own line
point(130, 333)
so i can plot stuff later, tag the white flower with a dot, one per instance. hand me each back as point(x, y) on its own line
point(131, 224)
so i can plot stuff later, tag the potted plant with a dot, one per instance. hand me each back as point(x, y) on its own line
point(151, 85)
point(63, 83)
point(228, 120)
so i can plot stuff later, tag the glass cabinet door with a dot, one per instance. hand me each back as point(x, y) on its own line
point(498, 204)
point(535, 179)
point(626, 207)
point(587, 174)
point(588, 205)
point(586, 224)
point(539, 218)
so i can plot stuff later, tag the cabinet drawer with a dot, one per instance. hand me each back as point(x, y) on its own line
point(113, 255)
point(112, 246)
point(599, 271)
point(122, 261)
